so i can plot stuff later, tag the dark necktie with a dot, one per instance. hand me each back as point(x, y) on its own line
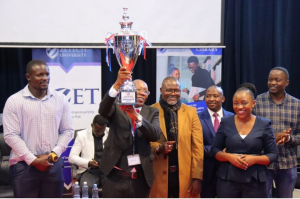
point(216, 122)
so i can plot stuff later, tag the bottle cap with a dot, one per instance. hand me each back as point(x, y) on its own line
point(76, 182)
point(84, 182)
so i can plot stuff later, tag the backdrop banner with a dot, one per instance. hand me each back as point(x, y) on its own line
point(194, 79)
point(76, 72)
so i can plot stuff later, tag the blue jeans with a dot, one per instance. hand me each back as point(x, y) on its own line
point(285, 180)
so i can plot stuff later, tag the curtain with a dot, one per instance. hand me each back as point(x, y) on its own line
point(258, 36)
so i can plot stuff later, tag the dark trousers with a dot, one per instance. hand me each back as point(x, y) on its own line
point(28, 182)
point(209, 188)
point(209, 183)
point(173, 184)
point(115, 186)
point(231, 189)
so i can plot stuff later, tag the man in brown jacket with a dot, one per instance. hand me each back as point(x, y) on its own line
point(179, 151)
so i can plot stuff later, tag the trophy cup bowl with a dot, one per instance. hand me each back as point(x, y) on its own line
point(127, 49)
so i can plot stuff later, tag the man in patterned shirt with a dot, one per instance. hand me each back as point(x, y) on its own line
point(284, 111)
point(38, 127)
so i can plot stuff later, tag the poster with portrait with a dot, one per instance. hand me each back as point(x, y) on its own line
point(195, 68)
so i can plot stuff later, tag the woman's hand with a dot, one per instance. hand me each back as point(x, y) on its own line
point(249, 159)
point(237, 161)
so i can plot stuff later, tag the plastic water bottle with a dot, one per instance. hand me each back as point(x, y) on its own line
point(85, 190)
point(76, 190)
point(95, 191)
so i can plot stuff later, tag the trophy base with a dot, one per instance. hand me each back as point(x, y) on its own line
point(127, 98)
point(119, 103)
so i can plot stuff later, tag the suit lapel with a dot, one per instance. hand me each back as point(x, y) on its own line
point(181, 115)
point(162, 121)
point(208, 122)
point(145, 111)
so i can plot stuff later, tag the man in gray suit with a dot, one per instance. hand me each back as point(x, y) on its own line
point(126, 158)
point(214, 98)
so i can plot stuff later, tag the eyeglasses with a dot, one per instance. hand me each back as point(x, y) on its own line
point(176, 91)
point(242, 104)
point(143, 91)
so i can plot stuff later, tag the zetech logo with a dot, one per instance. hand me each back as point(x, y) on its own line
point(80, 95)
point(52, 52)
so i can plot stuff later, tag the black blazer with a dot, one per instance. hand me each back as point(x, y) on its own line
point(259, 141)
point(120, 136)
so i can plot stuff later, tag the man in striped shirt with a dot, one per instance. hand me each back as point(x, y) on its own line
point(284, 111)
point(38, 127)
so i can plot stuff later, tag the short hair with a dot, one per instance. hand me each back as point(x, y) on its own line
point(172, 69)
point(219, 89)
point(251, 87)
point(193, 59)
point(100, 120)
point(170, 78)
point(33, 63)
point(283, 70)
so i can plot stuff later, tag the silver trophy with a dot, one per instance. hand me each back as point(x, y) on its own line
point(127, 47)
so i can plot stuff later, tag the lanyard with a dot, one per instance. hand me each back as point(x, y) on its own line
point(134, 135)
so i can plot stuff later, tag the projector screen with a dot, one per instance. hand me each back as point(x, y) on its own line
point(66, 23)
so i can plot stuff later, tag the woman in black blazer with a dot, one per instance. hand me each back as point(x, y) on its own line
point(245, 145)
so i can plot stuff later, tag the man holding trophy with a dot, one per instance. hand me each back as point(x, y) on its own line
point(126, 159)
point(126, 156)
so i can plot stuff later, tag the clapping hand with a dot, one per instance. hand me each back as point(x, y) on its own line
point(283, 137)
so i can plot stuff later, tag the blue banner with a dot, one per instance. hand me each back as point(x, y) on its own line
point(76, 72)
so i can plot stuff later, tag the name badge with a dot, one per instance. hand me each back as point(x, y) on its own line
point(133, 159)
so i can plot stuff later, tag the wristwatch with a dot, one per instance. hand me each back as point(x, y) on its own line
point(53, 157)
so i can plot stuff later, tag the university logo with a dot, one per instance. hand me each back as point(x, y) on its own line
point(65, 91)
point(163, 50)
point(52, 52)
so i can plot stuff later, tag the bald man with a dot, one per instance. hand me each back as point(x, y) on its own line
point(214, 98)
point(178, 163)
point(126, 160)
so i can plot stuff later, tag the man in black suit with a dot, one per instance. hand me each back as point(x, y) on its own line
point(126, 158)
point(214, 98)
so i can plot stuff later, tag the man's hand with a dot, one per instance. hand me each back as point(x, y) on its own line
point(93, 164)
point(41, 163)
point(185, 90)
point(130, 110)
point(166, 147)
point(283, 137)
point(195, 187)
point(123, 75)
point(196, 97)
